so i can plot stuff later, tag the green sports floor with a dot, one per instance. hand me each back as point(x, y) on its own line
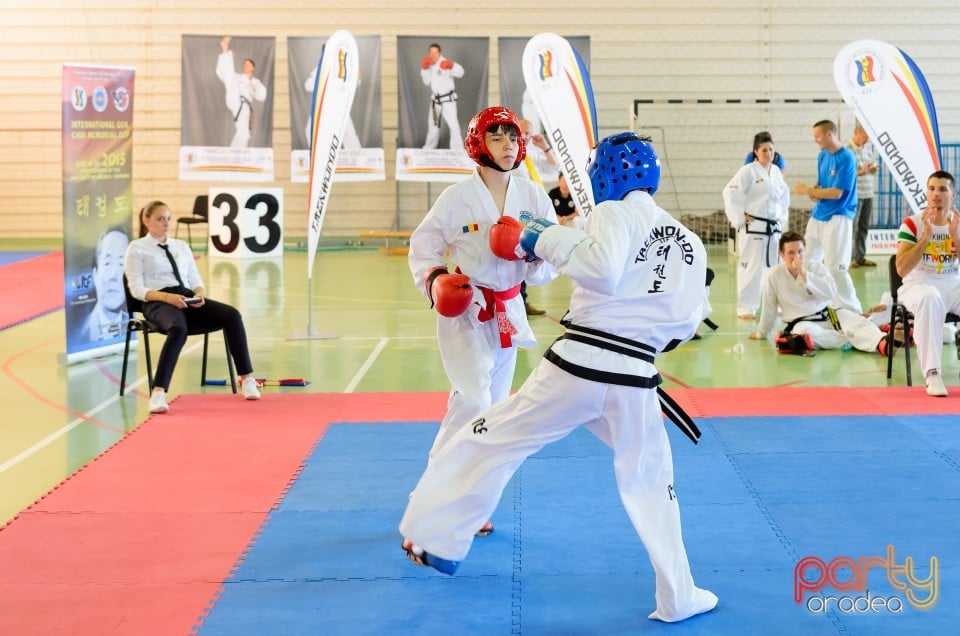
point(364, 329)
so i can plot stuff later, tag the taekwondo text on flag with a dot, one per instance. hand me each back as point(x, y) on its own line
point(559, 84)
point(337, 75)
point(891, 99)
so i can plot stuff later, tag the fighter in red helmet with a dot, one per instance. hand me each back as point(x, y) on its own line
point(482, 319)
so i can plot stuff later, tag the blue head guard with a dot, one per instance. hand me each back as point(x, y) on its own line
point(622, 163)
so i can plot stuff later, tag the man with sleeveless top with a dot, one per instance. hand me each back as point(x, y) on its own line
point(927, 260)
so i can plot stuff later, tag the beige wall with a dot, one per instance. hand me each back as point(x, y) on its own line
point(681, 49)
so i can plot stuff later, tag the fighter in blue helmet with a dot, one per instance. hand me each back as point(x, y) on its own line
point(638, 277)
point(621, 164)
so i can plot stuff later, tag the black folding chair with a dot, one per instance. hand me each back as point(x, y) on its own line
point(137, 322)
point(199, 215)
point(900, 317)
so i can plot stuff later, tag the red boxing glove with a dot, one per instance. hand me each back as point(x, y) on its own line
point(446, 65)
point(505, 239)
point(452, 294)
point(426, 62)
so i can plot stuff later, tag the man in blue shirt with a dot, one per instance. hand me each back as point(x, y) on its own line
point(829, 235)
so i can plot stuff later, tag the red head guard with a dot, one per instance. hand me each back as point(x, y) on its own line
point(483, 121)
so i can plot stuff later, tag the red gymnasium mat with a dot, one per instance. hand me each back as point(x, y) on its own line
point(813, 400)
point(140, 540)
point(36, 284)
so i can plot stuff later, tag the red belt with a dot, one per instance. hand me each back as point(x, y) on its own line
point(495, 308)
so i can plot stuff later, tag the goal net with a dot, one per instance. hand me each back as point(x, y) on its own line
point(703, 142)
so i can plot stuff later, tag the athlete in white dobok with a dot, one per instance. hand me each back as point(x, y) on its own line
point(482, 319)
point(639, 291)
point(757, 203)
point(802, 292)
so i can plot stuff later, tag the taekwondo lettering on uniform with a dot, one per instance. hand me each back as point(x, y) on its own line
point(666, 236)
point(843, 573)
point(574, 181)
point(478, 426)
point(913, 188)
point(325, 183)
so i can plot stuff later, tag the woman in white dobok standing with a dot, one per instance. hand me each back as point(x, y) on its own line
point(757, 202)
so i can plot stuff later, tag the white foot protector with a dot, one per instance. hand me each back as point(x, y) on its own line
point(703, 602)
point(935, 385)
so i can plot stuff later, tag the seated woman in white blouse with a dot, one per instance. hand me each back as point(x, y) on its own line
point(161, 272)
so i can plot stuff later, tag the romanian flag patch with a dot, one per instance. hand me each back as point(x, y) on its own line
point(473, 227)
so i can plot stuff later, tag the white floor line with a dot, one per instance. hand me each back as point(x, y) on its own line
point(60, 432)
point(366, 365)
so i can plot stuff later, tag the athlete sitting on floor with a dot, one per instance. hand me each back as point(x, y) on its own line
point(804, 292)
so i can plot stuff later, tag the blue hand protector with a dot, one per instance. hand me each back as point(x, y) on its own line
point(531, 234)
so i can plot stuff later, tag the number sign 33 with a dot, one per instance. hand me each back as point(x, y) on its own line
point(246, 222)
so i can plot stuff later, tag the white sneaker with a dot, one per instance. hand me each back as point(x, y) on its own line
point(158, 402)
point(249, 388)
point(935, 385)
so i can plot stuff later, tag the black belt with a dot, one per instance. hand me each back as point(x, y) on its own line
point(771, 228)
point(609, 341)
point(604, 340)
point(827, 313)
point(678, 416)
point(634, 349)
point(445, 97)
point(245, 101)
point(605, 377)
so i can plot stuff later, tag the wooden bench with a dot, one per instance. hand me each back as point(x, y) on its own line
point(386, 235)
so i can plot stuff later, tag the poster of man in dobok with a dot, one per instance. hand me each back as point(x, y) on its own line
point(361, 150)
point(443, 81)
point(226, 129)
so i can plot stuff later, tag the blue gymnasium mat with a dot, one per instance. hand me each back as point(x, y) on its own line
point(757, 495)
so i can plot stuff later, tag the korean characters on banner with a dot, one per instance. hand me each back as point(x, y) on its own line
point(515, 96)
point(361, 152)
point(443, 82)
point(97, 205)
point(226, 131)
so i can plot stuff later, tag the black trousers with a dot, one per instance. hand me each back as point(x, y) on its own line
point(179, 323)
